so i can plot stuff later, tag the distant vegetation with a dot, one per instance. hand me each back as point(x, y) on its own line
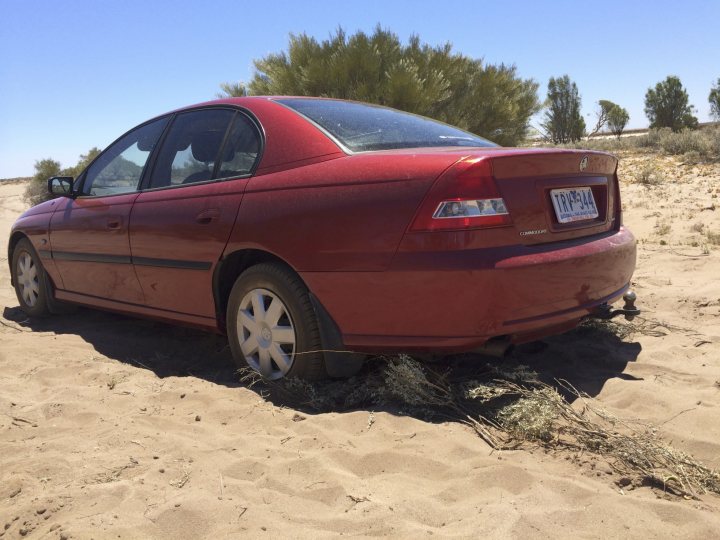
point(36, 191)
point(563, 121)
point(714, 99)
point(490, 100)
point(617, 119)
point(667, 106)
point(694, 144)
point(612, 116)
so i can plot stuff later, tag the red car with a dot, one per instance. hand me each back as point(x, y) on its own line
point(301, 226)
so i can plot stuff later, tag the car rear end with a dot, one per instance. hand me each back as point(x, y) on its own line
point(489, 242)
point(510, 244)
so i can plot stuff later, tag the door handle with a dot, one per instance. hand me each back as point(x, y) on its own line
point(207, 216)
point(114, 223)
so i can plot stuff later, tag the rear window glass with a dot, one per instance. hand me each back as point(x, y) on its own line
point(361, 127)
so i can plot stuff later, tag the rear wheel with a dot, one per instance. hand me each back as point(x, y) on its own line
point(271, 324)
point(29, 279)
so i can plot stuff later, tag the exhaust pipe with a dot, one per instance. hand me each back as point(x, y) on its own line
point(496, 347)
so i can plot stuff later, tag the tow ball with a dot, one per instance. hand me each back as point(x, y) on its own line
point(629, 311)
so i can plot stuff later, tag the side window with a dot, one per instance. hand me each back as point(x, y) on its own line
point(120, 167)
point(241, 149)
point(190, 151)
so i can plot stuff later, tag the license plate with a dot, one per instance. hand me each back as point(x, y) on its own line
point(576, 204)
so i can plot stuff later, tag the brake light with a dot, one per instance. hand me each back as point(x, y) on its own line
point(617, 203)
point(467, 198)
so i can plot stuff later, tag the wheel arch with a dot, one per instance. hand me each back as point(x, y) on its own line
point(229, 269)
point(338, 362)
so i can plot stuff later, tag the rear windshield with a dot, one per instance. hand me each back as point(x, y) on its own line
point(361, 127)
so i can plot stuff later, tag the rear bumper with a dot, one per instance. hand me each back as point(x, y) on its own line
point(457, 300)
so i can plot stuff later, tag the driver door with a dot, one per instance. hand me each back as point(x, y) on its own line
point(89, 234)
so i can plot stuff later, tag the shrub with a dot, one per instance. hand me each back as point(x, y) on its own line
point(702, 144)
point(36, 191)
point(682, 142)
point(649, 175)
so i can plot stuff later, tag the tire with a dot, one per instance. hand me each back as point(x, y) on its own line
point(30, 280)
point(272, 326)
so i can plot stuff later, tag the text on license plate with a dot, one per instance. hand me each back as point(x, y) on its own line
point(574, 204)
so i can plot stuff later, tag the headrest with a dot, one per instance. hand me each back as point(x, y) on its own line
point(146, 142)
point(206, 145)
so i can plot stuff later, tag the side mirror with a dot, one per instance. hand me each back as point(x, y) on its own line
point(60, 186)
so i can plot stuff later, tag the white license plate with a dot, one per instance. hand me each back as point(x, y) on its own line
point(575, 204)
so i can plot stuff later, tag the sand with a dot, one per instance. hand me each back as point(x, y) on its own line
point(112, 427)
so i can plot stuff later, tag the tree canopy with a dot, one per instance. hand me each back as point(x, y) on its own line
point(667, 105)
point(486, 99)
point(611, 115)
point(617, 120)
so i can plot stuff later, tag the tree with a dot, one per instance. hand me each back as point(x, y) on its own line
point(714, 99)
point(611, 115)
point(36, 191)
point(563, 121)
point(602, 114)
point(490, 100)
point(666, 105)
point(617, 120)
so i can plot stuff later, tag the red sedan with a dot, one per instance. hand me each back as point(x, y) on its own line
point(301, 226)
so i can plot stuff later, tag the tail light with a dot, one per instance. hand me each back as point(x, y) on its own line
point(464, 199)
point(617, 203)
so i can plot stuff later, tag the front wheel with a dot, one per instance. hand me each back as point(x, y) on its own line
point(29, 278)
point(271, 324)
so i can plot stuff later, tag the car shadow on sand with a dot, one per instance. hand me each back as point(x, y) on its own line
point(586, 357)
point(166, 350)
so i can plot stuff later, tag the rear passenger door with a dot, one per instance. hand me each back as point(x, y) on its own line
point(181, 221)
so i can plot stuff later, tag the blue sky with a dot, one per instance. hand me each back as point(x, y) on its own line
point(78, 73)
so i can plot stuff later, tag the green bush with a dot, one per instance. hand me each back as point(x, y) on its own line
point(36, 191)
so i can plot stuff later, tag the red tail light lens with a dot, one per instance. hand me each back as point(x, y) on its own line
point(617, 203)
point(466, 197)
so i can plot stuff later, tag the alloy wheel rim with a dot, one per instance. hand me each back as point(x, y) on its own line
point(27, 279)
point(266, 333)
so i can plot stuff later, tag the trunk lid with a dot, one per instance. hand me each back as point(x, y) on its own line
point(529, 180)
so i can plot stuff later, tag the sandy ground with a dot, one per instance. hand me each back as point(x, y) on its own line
point(112, 427)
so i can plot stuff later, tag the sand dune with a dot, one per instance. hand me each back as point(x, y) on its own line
point(113, 427)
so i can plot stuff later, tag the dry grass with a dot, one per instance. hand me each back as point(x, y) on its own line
point(509, 408)
point(698, 227)
point(662, 228)
point(701, 145)
point(649, 174)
